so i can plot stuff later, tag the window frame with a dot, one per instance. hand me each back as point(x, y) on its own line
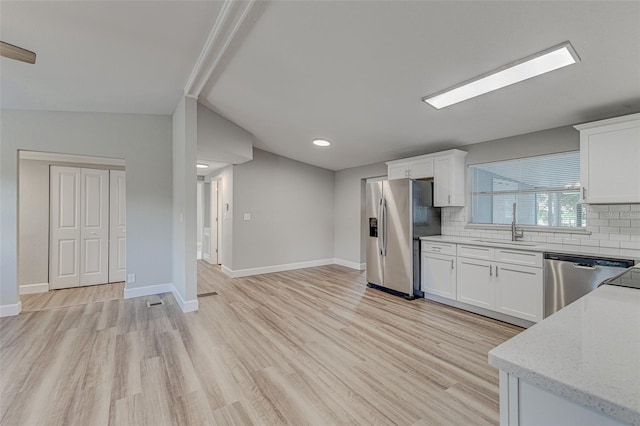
point(536, 192)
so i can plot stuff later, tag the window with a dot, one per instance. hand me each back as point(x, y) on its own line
point(546, 190)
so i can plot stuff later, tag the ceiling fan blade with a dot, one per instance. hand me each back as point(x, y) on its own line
point(19, 54)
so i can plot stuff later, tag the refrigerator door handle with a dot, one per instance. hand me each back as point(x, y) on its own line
point(384, 227)
point(380, 229)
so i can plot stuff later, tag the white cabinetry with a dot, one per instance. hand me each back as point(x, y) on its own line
point(447, 169)
point(518, 291)
point(438, 271)
point(475, 282)
point(501, 280)
point(609, 158)
point(413, 168)
point(449, 179)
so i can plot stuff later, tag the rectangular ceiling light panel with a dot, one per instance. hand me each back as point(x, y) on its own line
point(548, 60)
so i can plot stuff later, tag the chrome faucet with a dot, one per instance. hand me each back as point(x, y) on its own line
point(516, 233)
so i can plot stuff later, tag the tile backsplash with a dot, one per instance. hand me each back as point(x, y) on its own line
point(612, 230)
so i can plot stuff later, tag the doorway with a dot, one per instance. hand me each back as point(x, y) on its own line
point(71, 223)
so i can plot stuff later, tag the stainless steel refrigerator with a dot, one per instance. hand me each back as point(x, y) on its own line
point(399, 212)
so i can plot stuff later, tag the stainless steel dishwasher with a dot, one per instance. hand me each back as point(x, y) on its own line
point(569, 277)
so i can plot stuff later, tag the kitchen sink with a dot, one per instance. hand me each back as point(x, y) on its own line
point(509, 243)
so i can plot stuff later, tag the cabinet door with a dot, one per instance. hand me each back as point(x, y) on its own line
point(421, 169)
point(519, 291)
point(398, 171)
point(442, 181)
point(439, 275)
point(609, 164)
point(475, 282)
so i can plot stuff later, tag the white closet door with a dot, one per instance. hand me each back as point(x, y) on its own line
point(94, 234)
point(64, 267)
point(117, 226)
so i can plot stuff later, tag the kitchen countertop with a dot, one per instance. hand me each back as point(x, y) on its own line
point(538, 247)
point(588, 352)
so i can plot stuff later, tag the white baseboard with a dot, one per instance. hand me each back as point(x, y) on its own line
point(186, 306)
point(10, 310)
point(349, 264)
point(275, 268)
point(33, 288)
point(148, 290)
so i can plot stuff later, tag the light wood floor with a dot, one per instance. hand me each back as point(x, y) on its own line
point(312, 346)
point(71, 296)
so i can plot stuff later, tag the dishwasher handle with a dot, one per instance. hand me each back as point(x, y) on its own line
point(585, 266)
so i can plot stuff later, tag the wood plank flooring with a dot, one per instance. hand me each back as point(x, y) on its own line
point(71, 296)
point(312, 346)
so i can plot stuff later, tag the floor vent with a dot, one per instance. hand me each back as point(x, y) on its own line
point(213, 293)
point(156, 303)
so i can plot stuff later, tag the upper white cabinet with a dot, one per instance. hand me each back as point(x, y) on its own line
point(609, 159)
point(414, 168)
point(449, 179)
point(447, 169)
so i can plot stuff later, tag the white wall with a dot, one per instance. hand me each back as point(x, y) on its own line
point(221, 140)
point(291, 207)
point(33, 218)
point(349, 210)
point(144, 141)
point(184, 203)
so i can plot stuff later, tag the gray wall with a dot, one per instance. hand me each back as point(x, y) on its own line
point(33, 218)
point(221, 140)
point(551, 141)
point(291, 207)
point(144, 141)
point(350, 228)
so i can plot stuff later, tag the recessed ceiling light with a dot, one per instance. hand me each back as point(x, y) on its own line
point(540, 63)
point(202, 166)
point(321, 142)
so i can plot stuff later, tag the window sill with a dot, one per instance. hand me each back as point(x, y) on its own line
point(551, 229)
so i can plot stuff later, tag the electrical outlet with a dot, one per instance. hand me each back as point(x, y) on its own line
point(131, 278)
point(247, 216)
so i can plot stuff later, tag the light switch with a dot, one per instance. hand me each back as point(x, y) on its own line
point(247, 216)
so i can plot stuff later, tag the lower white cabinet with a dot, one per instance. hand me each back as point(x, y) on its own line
point(438, 275)
point(519, 291)
point(475, 282)
point(484, 279)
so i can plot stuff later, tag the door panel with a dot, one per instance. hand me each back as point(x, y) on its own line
point(94, 256)
point(67, 255)
point(398, 271)
point(475, 282)
point(374, 260)
point(213, 238)
point(439, 275)
point(117, 226)
point(64, 268)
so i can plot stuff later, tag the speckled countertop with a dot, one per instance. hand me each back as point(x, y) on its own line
point(588, 352)
point(538, 247)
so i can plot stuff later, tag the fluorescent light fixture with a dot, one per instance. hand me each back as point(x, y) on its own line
point(321, 142)
point(540, 63)
point(202, 166)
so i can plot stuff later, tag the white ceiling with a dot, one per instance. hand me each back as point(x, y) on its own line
point(349, 71)
point(354, 72)
point(102, 56)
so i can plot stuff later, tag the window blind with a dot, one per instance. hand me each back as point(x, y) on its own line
point(546, 190)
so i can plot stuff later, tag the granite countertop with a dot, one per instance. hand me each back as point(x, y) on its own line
point(525, 245)
point(588, 352)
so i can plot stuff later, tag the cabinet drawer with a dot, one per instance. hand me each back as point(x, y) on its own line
point(475, 252)
point(518, 257)
point(442, 248)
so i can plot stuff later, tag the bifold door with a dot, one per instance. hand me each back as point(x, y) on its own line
point(79, 223)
